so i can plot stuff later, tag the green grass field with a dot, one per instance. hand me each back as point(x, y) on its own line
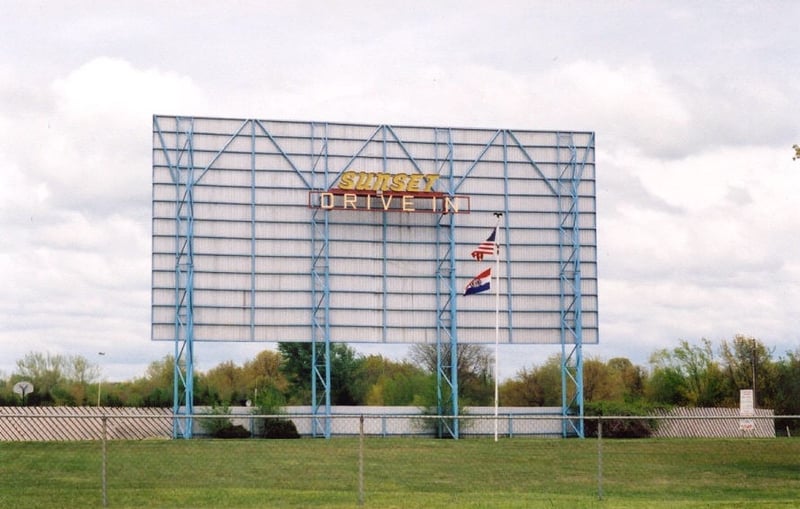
point(404, 473)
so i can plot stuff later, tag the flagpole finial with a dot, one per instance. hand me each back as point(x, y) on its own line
point(498, 214)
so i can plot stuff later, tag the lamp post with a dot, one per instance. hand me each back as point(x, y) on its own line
point(753, 354)
point(100, 382)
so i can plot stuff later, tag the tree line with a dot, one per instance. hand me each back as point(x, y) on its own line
point(690, 374)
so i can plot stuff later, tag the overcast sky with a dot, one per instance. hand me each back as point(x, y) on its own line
point(695, 106)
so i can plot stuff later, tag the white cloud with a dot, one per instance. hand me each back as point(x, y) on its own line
point(695, 115)
point(77, 266)
point(719, 260)
point(114, 91)
point(92, 147)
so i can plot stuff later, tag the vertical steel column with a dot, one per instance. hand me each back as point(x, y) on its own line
point(384, 245)
point(569, 177)
point(184, 178)
point(446, 296)
point(506, 241)
point(253, 232)
point(320, 294)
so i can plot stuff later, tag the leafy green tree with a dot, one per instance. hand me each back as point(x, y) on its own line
point(217, 424)
point(617, 380)
point(345, 367)
point(539, 386)
point(79, 374)
point(154, 389)
point(225, 384)
point(58, 379)
point(522, 390)
point(389, 383)
point(787, 391)
point(475, 381)
point(405, 388)
point(747, 364)
point(666, 384)
point(7, 396)
point(296, 366)
point(270, 401)
point(633, 378)
point(45, 371)
point(689, 373)
point(264, 374)
point(601, 382)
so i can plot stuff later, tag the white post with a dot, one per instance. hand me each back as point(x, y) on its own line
point(498, 215)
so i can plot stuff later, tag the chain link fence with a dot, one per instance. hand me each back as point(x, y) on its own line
point(95, 433)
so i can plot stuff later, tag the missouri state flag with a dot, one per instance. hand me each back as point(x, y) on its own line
point(479, 283)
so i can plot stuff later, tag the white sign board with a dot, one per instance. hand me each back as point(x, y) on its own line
point(746, 403)
point(746, 409)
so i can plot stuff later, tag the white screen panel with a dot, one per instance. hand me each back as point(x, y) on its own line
point(236, 230)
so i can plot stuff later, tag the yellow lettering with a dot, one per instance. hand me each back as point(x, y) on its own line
point(349, 199)
point(414, 182)
point(430, 180)
point(408, 203)
point(364, 181)
point(347, 181)
point(399, 182)
point(382, 181)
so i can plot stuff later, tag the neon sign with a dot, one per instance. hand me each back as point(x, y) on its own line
point(387, 192)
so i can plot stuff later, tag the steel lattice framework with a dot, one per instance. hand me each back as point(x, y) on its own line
point(244, 248)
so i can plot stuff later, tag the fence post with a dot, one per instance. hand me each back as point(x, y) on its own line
point(103, 475)
point(361, 461)
point(599, 457)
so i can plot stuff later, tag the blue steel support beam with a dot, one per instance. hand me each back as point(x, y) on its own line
point(506, 240)
point(184, 179)
point(451, 238)
point(570, 173)
point(320, 295)
point(446, 298)
point(384, 248)
point(565, 187)
point(253, 232)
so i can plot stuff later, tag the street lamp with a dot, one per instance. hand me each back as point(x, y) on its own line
point(753, 354)
point(100, 382)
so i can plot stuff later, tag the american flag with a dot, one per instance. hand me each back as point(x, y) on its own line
point(488, 246)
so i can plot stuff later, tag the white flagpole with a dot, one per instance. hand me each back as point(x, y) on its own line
point(498, 215)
